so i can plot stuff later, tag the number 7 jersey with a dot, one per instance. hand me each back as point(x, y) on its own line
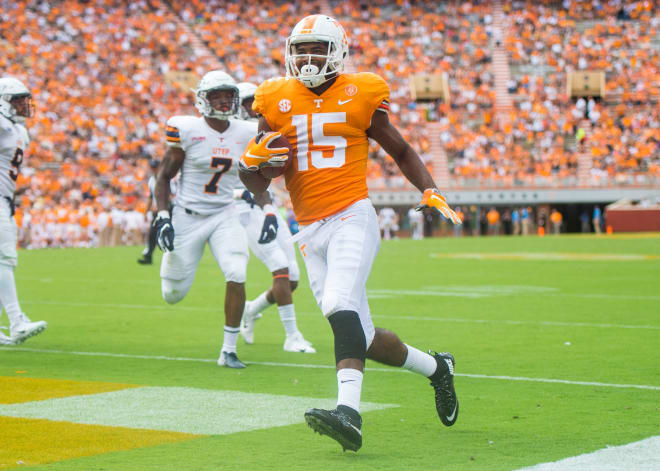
point(328, 136)
point(210, 168)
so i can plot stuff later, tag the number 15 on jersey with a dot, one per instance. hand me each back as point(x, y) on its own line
point(334, 144)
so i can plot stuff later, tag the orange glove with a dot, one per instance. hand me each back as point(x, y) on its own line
point(259, 153)
point(433, 199)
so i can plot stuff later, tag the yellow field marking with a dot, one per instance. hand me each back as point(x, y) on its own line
point(37, 441)
point(21, 389)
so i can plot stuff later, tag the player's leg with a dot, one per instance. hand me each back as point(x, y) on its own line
point(229, 247)
point(20, 327)
point(352, 244)
point(277, 261)
point(148, 251)
point(289, 249)
point(178, 267)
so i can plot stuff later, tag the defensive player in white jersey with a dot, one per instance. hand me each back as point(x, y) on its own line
point(416, 220)
point(15, 106)
point(205, 150)
point(269, 239)
point(388, 220)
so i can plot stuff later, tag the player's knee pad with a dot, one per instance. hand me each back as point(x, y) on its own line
point(333, 302)
point(350, 341)
point(236, 270)
point(174, 291)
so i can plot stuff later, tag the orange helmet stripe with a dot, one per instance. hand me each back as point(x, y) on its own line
point(308, 24)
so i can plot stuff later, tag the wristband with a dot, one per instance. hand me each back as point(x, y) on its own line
point(269, 209)
point(163, 214)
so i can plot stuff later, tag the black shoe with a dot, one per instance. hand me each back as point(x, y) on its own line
point(230, 360)
point(342, 424)
point(145, 260)
point(446, 402)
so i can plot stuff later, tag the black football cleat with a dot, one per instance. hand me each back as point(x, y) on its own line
point(230, 360)
point(446, 402)
point(145, 260)
point(343, 424)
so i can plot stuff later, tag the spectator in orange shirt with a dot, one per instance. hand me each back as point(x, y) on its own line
point(493, 217)
point(556, 219)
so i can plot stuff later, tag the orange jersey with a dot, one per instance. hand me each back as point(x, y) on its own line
point(328, 137)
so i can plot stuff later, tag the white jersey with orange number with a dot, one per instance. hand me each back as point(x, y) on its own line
point(210, 169)
point(328, 136)
point(14, 140)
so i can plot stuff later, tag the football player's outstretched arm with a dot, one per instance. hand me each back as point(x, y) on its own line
point(255, 181)
point(171, 165)
point(411, 165)
point(392, 142)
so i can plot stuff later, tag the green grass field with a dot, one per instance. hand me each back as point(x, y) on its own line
point(515, 312)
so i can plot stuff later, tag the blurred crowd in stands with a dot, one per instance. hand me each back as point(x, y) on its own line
point(97, 70)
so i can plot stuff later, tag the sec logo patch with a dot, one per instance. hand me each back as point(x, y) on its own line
point(284, 105)
point(350, 90)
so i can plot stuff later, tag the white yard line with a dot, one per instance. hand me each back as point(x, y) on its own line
point(643, 455)
point(166, 307)
point(303, 365)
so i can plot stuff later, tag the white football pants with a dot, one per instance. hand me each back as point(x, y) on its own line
point(339, 252)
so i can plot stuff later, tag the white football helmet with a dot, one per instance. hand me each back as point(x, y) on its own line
point(215, 80)
point(11, 88)
point(316, 28)
point(245, 90)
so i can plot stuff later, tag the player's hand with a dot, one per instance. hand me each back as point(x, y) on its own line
point(269, 229)
point(245, 196)
point(433, 199)
point(164, 231)
point(259, 154)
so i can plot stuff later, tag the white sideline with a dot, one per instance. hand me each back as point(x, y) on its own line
point(643, 455)
point(164, 307)
point(304, 365)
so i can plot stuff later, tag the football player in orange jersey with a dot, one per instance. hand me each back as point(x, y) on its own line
point(327, 117)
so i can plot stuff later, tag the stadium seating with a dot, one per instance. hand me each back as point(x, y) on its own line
point(98, 72)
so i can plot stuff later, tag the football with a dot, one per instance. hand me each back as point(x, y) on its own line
point(271, 171)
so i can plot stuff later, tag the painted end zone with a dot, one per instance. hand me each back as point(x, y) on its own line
point(36, 441)
point(105, 417)
point(21, 389)
point(176, 409)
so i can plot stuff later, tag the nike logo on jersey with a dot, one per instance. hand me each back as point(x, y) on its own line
point(347, 381)
point(347, 217)
point(343, 102)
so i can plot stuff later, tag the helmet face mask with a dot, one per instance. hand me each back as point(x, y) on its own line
point(209, 94)
point(316, 50)
point(15, 100)
point(246, 97)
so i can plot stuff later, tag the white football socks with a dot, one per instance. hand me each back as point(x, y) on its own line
point(349, 383)
point(229, 339)
point(260, 303)
point(8, 297)
point(419, 362)
point(288, 318)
